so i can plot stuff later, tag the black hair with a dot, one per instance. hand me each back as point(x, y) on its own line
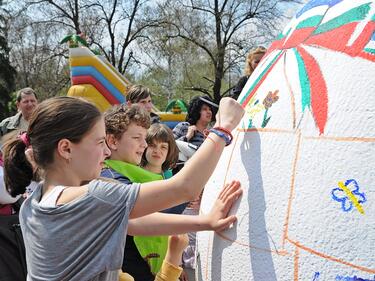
point(194, 109)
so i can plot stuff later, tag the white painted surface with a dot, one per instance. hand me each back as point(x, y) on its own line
point(289, 225)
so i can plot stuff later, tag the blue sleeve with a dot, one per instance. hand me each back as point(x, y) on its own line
point(112, 174)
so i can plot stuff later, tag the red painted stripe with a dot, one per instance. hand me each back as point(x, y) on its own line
point(298, 36)
point(344, 33)
point(319, 97)
point(261, 81)
point(325, 39)
point(367, 56)
point(362, 40)
point(86, 79)
point(275, 45)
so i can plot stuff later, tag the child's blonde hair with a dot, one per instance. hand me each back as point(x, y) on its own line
point(258, 50)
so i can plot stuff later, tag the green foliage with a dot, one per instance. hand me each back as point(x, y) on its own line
point(11, 105)
point(152, 79)
point(179, 72)
point(7, 72)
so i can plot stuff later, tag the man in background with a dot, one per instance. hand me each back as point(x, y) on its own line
point(141, 95)
point(26, 102)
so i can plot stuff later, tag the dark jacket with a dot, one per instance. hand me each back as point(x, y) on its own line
point(12, 248)
point(154, 118)
point(238, 88)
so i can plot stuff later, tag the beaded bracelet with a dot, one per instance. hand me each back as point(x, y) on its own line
point(224, 136)
point(225, 131)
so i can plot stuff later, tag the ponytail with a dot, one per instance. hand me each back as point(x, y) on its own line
point(52, 120)
point(18, 171)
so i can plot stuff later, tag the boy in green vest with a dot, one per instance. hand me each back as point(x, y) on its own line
point(126, 129)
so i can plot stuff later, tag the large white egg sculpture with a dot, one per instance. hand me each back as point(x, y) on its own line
point(305, 155)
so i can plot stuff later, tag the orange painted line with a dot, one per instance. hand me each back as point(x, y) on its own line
point(311, 251)
point(267, 130)
point(277, 252)
point(296, 260)
point(230, 158)
point(348, 139)
point(293, 103)
point(292, 187)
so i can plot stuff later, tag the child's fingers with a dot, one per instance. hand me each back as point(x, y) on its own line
point(178, 242)
point(229, 201)
point(230, 189)
point(225, 223)
point(223, 190)
point(178, 239)
point(226, 187)
point(233, 196)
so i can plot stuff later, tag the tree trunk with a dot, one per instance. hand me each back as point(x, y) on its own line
point(219, 74)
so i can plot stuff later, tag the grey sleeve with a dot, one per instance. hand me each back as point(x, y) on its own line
point(115, 193)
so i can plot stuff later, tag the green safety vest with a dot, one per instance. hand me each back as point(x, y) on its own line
point(151, 248)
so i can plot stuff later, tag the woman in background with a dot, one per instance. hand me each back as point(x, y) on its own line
point(252, 61)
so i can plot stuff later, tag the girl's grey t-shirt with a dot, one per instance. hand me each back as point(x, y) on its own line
point(81, 240)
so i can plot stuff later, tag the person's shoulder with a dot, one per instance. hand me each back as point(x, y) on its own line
point(112, 191)
point(167, 174)
point(154, 118)
point(182, 125)
point(13, 118)
point(10, 123)
point(32, 200)
point(3, 125)
point(109, 173)
point(5, 120)
point(103, 186)
point(239, 86)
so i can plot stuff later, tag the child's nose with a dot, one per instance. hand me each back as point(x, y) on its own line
point(144, 143)
point(107, 151)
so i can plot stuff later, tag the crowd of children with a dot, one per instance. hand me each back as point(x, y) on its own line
point(106, 198)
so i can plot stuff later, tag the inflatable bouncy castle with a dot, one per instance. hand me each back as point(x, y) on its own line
point(305, 155)
point(95, 79)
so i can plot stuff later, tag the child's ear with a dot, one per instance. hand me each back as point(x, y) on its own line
point(64, 149)
point(111, 141)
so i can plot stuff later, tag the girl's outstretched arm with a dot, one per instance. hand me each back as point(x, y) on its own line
point(167, 224)
point(190, 181)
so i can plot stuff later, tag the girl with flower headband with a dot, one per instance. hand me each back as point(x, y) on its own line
point(74, 224)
